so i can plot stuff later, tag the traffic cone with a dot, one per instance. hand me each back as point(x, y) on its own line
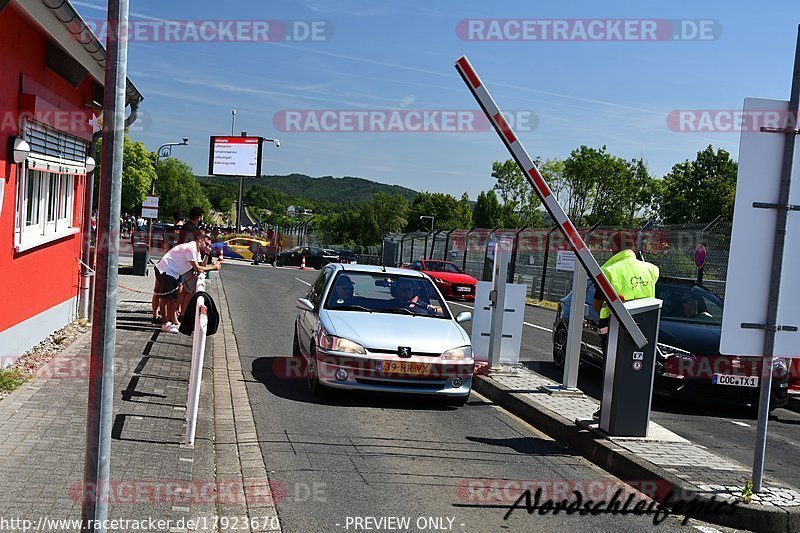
point(303, 263)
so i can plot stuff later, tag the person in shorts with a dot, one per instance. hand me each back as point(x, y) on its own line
point(179, 260)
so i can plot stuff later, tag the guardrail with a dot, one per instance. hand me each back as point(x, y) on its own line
point(198, 357)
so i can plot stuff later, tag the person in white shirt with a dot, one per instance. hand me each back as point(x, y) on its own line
point(178, 261)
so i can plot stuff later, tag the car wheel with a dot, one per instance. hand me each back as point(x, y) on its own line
point(280, 262)
point(258, 258)
point(315, 388)
point(560, 346)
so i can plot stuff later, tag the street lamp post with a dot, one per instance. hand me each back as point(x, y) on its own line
point(433, 219)
point(165, 150)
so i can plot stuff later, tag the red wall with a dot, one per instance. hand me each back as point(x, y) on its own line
point(38, 279)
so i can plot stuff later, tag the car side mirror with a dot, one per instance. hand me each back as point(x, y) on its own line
point(463, 316)
point(305, 304)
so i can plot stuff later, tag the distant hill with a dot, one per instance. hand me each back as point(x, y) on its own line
point(327, 188)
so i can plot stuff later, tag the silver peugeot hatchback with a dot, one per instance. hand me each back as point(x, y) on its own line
point(382, 329)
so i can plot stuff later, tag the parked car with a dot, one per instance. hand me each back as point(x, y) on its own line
point(315, 257)
point(240, 247)
point(382, 329)
point(451, 280)
point(688, 361)
point(347, 256)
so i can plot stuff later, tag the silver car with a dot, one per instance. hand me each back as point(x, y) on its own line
point(382, 329)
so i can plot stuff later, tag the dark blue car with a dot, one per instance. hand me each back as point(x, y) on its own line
point(688, 363)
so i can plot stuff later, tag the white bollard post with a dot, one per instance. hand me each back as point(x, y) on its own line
point(576, 315)
point(502, 253)
point(198, 355)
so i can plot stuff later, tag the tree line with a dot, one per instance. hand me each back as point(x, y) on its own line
point(591, 184)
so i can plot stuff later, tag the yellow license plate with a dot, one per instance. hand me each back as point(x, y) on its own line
point(406, 367)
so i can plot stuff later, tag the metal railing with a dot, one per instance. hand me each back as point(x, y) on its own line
point(198, 358)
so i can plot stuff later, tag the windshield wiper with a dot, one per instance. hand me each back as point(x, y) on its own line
point(352, 308)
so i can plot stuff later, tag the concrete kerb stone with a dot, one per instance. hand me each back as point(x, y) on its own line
point(234, 421)
point(629, 466)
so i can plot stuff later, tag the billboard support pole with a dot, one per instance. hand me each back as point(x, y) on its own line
point(771, 327)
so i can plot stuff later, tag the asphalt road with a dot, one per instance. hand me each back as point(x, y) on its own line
point(353, 455)
point(726, 431)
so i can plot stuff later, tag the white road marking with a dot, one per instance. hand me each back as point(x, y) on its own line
point(707, 529)
point(301, 281)
point(739, 423)
point(526, 323)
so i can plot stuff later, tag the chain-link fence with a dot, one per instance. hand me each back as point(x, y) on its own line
point(536, 251)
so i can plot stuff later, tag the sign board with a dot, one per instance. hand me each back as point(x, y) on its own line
point(490, 244)
point(235, 156)
point(700, 256)
point(512, 322)
point(565, 260)
point(750, 262)
point(531, 259)
point(149, 212)
point(150, 201)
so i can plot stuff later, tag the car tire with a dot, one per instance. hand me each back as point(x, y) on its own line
point(280, 261)
point(560, 346)
point(296, 345)
point(258, 258)
point(315, 388)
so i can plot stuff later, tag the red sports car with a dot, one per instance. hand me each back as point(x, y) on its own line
point(450, 279)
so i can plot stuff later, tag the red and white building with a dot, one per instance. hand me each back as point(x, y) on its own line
point(51, 92)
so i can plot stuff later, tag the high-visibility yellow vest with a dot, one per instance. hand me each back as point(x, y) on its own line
point(631, 278)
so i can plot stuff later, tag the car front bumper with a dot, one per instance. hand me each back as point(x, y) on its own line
point(362, 373)
point(703, 390)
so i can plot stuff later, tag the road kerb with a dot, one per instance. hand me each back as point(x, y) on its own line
point(626, 465)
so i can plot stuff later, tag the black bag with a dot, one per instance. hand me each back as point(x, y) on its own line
point(187, 326)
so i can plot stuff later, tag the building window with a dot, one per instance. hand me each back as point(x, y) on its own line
point(48, 204)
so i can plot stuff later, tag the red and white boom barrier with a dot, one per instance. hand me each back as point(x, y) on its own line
point(539, 185)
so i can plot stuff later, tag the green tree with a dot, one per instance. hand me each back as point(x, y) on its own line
point(463, 214)
point(521, 204)
point(699, 190)
point(441, 206)
point(488, 212)
point(178, 189)
point(638, 190)
point(137, 174)
point(391, 212)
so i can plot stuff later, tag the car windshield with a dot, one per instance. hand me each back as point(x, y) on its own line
point(687, 303)
point(442, 266)
point(379, 292)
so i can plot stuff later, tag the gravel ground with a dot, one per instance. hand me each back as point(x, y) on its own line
point(44, 352)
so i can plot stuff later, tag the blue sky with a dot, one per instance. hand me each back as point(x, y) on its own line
point(400, 55)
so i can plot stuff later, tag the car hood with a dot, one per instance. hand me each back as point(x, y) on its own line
point(452, 277)
point(699, 339)
point(385, 331)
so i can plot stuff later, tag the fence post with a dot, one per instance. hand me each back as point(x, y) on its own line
point(513, 269)
point(466, 247)
point(544, 263)
point(195, 379)
point(446, 244)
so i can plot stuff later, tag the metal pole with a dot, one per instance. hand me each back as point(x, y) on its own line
point(233, 121)
point(239, 206)
point(775, 276)
point(576, 315)
point(498, 302)
point(544, 263)
point(86, 249)
point(99, 414)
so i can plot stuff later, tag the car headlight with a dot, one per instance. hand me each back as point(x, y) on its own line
point(457, 354)
point(665, 350)
point(338, 344)
point(675, 362)
point(439, 280)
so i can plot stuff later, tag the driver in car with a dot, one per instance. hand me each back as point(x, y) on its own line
point(691, 308)
point(343, 291)
point(406, 297)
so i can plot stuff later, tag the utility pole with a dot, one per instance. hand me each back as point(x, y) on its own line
point(99, 417)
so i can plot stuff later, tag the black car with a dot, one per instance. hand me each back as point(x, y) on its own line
point(346, 256)
point(688, 361)
point(315, 257)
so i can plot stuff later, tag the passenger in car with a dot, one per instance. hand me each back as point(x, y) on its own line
point(691, 308)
